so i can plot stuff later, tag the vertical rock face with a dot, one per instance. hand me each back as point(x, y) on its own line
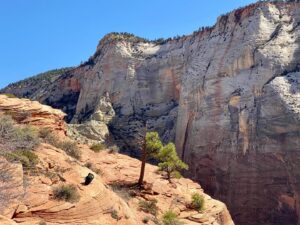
point(229, 97)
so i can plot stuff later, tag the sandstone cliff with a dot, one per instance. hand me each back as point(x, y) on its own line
point(229, 96)
point(27, 194)
point(32, 112)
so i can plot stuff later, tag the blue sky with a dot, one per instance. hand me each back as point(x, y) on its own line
point(39, 35)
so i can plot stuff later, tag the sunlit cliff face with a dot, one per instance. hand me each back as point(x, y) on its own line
point(228, 96)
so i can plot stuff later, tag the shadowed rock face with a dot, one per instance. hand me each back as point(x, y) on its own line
point(228, 96)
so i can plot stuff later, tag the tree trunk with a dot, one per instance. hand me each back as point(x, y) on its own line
point(169, 176)
point(143, 159)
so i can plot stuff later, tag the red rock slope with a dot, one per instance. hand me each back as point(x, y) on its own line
point(101, 199)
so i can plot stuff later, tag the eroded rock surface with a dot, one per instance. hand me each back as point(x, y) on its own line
point(98, 200)
point(96, 203)
point(27, 197)
point(228, 96)
point(25, 111)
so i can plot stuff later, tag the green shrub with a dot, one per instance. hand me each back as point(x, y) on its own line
point(97, 147)
point(93, 168)
point(170, 218)
point(146, 219)
point(113, 149)
point(68, 193)
point(40, 80)
point(149, 206)
point(45, 132)
point(26, 137)
point(50, 138)
point(9, 95)
point(53, 140)
point(121, 191)
point(42, 223)
point(28, 158)
point(7, 129)
point(197, 202)
point(114, 214)
point(71, 149)
point(31, 156)
point(170, 162)
point(13, 137)
point(13, 157)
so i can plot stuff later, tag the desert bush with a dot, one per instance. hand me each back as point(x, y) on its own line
point(113, 149)
point(9, 95)
point(114, 214)
point(8, 185)
point(28, 158)
point(17, 137)
point(68, 193)
point(97, 147)
point(7, 128)
point(71, 149)
point(92, 167)
point(50, 138)
point(26, 137)
point(45, 132)
point(42, 223)
point(51, 175)
point(146, 219)
point(53, 140)
point(149, 206)
point(197, 202)
point(21, 115)
point(123, 192)
point(170, 218)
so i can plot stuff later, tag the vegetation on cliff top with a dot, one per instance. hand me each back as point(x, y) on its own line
point(39, 80)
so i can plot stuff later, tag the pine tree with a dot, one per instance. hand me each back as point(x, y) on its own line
point(150, 147)
point(170, 162)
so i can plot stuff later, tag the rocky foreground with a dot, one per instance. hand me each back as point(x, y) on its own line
point(109, 199)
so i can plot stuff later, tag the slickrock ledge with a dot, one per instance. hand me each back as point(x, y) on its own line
point(121, 169)
point(99, 199)
point(25, 111)
point(100, 202)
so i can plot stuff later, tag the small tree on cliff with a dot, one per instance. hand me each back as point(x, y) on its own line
point(170, 162)
point(150, 146)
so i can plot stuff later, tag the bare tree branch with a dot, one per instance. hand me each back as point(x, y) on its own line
point(10, 185)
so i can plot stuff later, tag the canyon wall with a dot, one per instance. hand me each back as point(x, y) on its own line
point(228, 96)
